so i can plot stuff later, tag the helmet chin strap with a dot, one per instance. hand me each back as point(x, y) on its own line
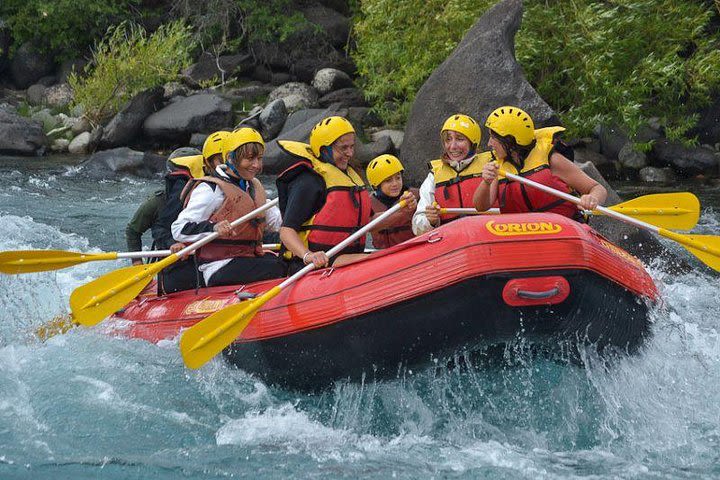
point(241, 181)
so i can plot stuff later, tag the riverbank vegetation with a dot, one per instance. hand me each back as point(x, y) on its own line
point(622, 61)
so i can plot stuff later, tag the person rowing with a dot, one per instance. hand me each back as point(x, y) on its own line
point(521, 150)
point(212, 202)
point(454, 177)
point(385, 175)
point(322, 198)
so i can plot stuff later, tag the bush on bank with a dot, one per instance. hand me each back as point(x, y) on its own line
point(621, 61)
point(128, 61)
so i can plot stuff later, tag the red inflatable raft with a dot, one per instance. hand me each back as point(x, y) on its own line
point(476, 281)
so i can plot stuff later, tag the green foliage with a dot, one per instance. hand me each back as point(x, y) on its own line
point(593, 61)
point(622, 61)
point(227, 25)
point(62, 27)
point(400, 43)
point(128, 61)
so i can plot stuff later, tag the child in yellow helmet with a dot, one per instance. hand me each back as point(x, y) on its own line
point(385, 175)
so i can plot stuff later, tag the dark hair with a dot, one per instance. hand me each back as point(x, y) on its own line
point(511, 146)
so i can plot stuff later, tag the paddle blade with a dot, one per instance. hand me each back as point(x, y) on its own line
point(207, 338)
point(704, 247)
point(94, 301)
point(29, 261)
point(676, 211)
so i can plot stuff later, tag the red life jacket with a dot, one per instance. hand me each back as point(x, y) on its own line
point(246, 239)
point(399, 230)
point(347, 205)
point(515, 197)
point(455, 189)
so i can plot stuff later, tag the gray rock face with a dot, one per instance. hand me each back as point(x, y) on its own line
point(612, 140)
point(305, 91)
point(28, 66)
point(365, 152)
point(272, 119)
point(335, 25)
point(631, 158)
point(395, 136)
point(121, 161)
point(20, 135)
point(609, 169)
point(330, 79)
point(5, 42)
point(58, 96)
point(210, 67)
point(80, 144)
point(126, 126)
point(346, 97)
point(249, 93)
point(175, 123)
point(480, 75)
point(36, 94)
point(686, 161)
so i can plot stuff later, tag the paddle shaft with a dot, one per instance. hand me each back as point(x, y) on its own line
point(204, 241)
point(576, 201)
point(340, 246)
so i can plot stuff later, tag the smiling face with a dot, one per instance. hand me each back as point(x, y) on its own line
point(456, 145)
point(343, 150)
point(392, 186)
point(497, 147)
point(248, 160)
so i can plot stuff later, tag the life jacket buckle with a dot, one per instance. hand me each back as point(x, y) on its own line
point(434, 237)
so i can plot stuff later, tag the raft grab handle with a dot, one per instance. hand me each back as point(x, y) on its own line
point(534, 291)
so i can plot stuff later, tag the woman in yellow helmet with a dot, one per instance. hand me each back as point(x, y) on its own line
point(212, 202)
point(522, 150)
point(385, 175)
point(454, 177)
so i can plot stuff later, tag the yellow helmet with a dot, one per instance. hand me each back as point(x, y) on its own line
point(239, 137)
point(193, 163)
point(381, 168)
point(463, 124)
point(509, 120)
point(214, 144)
point(327, 131)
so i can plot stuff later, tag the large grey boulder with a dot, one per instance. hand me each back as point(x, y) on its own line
point(272, 119)
point(28, 66)
point(480, 75)
point(686, 161)
point(20, 135)
point(126, 127)
point(327, 80)
point(335, 25)
point(122, 161)
point(205, 112)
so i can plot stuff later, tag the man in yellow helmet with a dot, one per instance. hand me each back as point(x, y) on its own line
point(521, 150)
point(454, 177)
point(385, 176)
point(322, 198)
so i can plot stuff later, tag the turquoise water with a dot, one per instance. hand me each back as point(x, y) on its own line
point(87, 405)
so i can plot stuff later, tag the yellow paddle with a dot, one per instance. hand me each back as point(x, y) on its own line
point(92, 302)
point(676, 211)
point(207, 338)
point(28, 261)
point(704, 247)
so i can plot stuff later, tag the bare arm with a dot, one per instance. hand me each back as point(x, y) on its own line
point(486, 193)
point(592, 193)
point(294, 243)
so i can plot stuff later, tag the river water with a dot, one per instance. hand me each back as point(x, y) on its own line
point(86, 405)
